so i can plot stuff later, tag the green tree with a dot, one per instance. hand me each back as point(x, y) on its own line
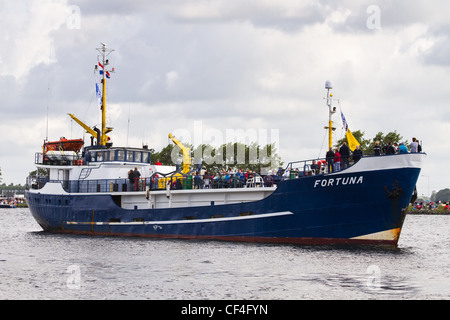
point(40, 172)
point(442, 195)
point(247, 157)
point(165, 155)
point(368, 144)
point(236, 155)
point(392, 136)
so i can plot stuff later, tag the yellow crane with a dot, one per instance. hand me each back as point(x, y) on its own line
point(167, 181)
point(90, 130)
point(186, 155)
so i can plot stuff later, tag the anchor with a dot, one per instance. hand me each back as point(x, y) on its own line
point(396, 191)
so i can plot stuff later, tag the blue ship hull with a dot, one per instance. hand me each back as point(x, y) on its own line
point(356, 207)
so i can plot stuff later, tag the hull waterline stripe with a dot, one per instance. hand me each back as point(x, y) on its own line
point(392, 234)
point(267, 215)
point(280, 240)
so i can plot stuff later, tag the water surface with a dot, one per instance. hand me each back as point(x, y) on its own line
point(39, 265)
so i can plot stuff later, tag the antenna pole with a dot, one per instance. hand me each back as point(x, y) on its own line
point(102, 137)
point(48, 90)
point(104, 52)
point(332, 110)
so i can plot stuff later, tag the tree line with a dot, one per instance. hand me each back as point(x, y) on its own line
point(442, 195)
point(253, 156)
point(367, 145)
point(215, 159)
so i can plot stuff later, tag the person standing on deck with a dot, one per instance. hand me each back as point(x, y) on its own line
point(330, 160)
point(345, 155)
point(414, 146)
point(377, 149)
point(357, 154)
point(337, 161)
point(134, 177)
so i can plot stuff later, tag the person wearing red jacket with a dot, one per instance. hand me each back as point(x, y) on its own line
point(337, 161)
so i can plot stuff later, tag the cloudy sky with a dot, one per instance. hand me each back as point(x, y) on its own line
point(206, 68)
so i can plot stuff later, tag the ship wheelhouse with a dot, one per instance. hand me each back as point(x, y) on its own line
point(95, 165)
point(93, 155)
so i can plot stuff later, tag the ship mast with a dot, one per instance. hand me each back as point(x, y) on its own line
point(332, 110)
point(100, 135)
point(105, 62)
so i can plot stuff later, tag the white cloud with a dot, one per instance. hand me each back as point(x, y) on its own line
point(230, 64)
point(171, 79)
point(26, 28)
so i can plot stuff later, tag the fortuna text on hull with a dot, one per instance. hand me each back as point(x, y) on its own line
point(334, 182)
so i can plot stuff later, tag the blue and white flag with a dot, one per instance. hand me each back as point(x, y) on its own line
point(99, 95)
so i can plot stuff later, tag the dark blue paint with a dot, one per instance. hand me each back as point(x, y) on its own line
point(335, 212)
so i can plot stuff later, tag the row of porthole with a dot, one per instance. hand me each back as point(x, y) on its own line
point(49, 201)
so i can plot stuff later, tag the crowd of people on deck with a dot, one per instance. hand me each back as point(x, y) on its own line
point(202, 179)
point(339, 159)
point(336, 160)
point(230, 179)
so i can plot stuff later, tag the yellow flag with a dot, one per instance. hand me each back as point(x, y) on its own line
point(352, 142)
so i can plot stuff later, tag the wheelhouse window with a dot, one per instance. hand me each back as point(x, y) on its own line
point(99, 156)
point(137, 156)
point(130, 156)
point(120, 155)
point(107, 155)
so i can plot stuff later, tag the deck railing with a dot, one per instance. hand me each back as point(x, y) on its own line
point(159, 181)
point(155, 183)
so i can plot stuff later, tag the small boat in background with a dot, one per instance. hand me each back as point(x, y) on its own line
point(7, 205)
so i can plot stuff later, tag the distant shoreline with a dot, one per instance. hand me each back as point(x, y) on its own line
point(429, 212)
